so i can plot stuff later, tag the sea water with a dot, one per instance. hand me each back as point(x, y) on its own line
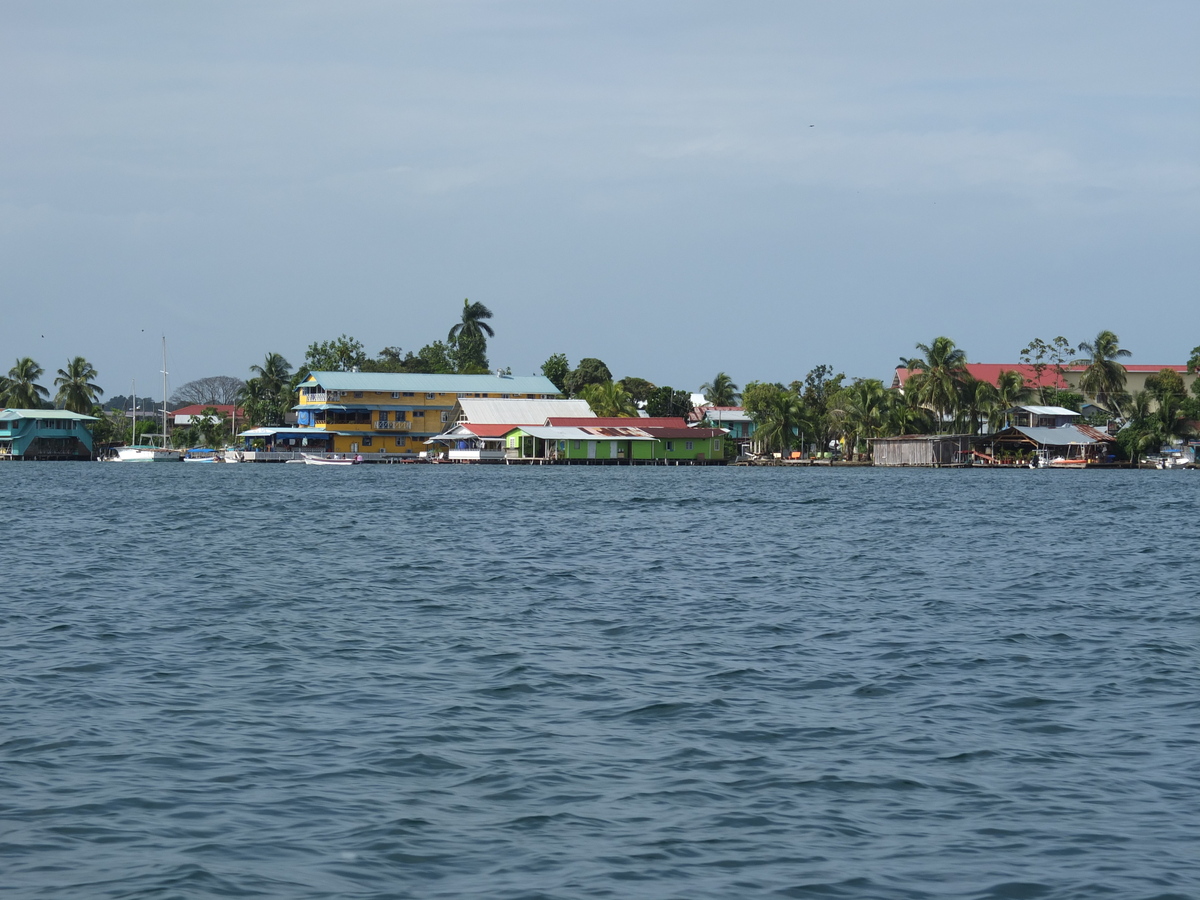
point(451, 681)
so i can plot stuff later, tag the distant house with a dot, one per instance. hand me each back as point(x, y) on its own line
point(191, 415)
point(1077, 444)
point(1041, 416)
point(735, 420)
point(45, 434)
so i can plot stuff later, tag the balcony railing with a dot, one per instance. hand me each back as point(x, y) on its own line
point(384, 425)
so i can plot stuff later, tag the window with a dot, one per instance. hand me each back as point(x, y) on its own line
point(367, 440)
point(401, 441)
point(395, 395)
point(575, 445)
point(670, 445)
point(358, 393)
point(401, 415)
point(504, 396)
point(430, 396)
point(562, 445)
point(418, 414)
point(445, 416)
point(383, 416)
point(407, 393)
point(689, 445)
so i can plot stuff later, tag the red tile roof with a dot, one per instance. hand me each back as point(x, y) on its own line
point(990, 372)
point(489, 430)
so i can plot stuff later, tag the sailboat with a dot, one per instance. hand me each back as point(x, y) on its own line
point(148, 452)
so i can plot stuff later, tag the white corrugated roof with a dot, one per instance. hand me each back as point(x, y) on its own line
point(490, 411)
point(1046, 410)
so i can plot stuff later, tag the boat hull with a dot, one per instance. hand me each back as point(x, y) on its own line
point(146, 454)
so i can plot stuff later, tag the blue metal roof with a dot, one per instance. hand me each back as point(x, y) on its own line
point(432, 384)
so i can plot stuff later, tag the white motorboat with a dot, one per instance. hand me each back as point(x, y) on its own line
point(331, 460)
point(146, 453)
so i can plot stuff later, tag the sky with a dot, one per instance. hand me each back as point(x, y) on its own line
point(677, 188)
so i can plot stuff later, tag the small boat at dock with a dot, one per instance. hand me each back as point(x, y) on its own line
point(310, 460)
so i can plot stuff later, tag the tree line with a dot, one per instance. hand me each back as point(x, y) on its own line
point(938, 393)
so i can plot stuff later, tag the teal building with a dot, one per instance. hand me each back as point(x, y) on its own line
point(45, 434)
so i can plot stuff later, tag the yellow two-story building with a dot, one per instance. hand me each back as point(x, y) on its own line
point(384, 412)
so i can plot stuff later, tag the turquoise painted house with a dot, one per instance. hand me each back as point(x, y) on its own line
point(45, 434)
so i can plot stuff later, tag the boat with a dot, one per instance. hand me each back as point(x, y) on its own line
point(310, 460)
point(148, 452)
point(201, 455)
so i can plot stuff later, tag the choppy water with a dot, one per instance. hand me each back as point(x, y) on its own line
point(448, 682)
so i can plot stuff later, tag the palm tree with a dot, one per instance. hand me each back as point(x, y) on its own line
point(609, 399)
point(780, 420)
point(1104, 377)
point(267, 397)
point(721, 391)
point(469, 337)
point(976, 400)
point(76, 390)
point(23, 390)
point(1011, 390)
point(938, 376)
point(861, 409)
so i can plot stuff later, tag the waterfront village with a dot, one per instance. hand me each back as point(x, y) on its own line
point(1059, 406)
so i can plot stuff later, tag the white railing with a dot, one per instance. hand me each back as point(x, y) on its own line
point(383, 425)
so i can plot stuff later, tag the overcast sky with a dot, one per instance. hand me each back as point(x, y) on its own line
point(675, 187)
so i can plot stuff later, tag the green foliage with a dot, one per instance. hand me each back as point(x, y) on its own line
point(721, 391)
point(1166, 383)
point(557, 368)
point(268, 396)
point(666, 401)
point(608, 399)
point(434, 359)
point(1043, 356)
point(468, 339)
point(468, 352)
point(1104, 378)
point(76, 390)
point(21, 390)
point(778, 413)
point(342, 354)
point(638, 388)
point(589, 371)
point(938, 377)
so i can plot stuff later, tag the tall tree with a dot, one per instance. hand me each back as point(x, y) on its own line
point(342, 354)
point(22, 389)
point(216, 390)
point(668, 402)
point(721, 391)
point(638, 388)
point(557, 368)
point(861, 410)
point(270, 394)
point(778, 415)
point(589, 371)
point(1104, 377)
point(1011, 390)
point(76, 390)
point(469, 336)
point(1043, 356)
point(938, 375)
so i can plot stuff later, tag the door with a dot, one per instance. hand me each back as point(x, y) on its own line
point(591, 449)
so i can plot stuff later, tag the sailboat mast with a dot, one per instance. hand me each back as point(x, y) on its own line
point(133, 430)
point(164, 408)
